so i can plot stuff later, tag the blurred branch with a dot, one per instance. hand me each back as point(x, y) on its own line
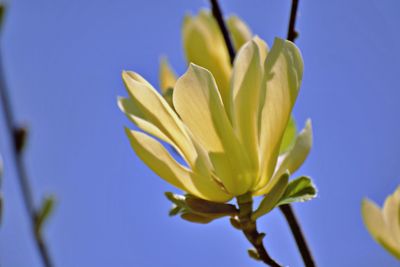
point(287, 209)
point(298, 235)
point(292, 33)
point(17, 135)
point(216, 11)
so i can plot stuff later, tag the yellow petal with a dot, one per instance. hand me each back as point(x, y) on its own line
point(204, 46)
point(157, 112)
point(283, 71)
point(262, 48)
point(245, 91)
point(198, 103)
point(289, 137)
point(263, 51)
point(391, 214)
point(201, 163)
point(397, 193)
point(239, 31)
point(376, 225)
point(126, 106)
point(167, 76)
point(157, 158)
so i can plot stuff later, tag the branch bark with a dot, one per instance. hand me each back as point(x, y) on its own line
point(249, 228)
point(292, 33)
point(14, 135)
point(287, 210)
point(217, 13)
point(298, 235)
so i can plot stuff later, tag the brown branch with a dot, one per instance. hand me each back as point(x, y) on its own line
point(249, 228)
point(16, 135)
point(216, 11)
point(298, 235)
point(287, 210)
point(292, 33)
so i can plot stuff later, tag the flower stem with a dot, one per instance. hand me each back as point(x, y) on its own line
point(16, 153)
point(249, 228)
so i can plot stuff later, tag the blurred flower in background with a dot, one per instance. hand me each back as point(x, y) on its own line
point(384, 224)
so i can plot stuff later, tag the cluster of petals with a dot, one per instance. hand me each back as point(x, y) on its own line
point(229, 141)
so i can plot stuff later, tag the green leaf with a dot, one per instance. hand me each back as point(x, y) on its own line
point(289, 136)
point(299, 190)
point(272, 198)
point(44, 212)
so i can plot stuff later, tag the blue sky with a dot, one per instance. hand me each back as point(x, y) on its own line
point(63, 61)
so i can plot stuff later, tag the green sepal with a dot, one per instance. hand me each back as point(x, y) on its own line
point(201, 206)
point(289, 137)
point(254, 254)
point(44, 212)
point(299, 190)
point(175, 210)
point(272, 198)
point(235, 223)
point(195, 218)
point(198, 210)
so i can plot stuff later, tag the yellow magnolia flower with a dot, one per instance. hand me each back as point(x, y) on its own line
point(384, 224)
point(226, 153)
point(204, 45)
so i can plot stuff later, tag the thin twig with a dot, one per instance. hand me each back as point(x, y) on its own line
point(301, 242)
point(287, 210)
point(249, 228)
point(217, 13)
point(292, 33)
point(26, 191)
